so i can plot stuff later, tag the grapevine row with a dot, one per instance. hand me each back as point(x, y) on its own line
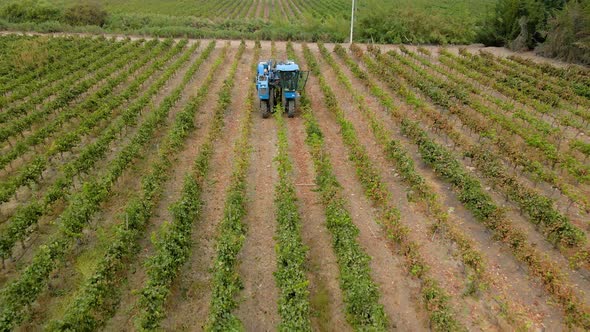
point(542, 127)
point(534, 168)
point(293, 285)
point(19, 225)
point(33, 171)
point(478, 201)
point(94, 303)
point(506, 78)
point(65, 67)
point(436, 300)
point(558, 228)
point(20, 293)
point(540, 89)
point(398, 156)
point(226, 282)
point(64, 92)
point(578, 83)
point(37, 96)
point(475, 198)
point(11, 82)
point(534, 140)
point(544, 82)
point(473, 71)
point(173, 243)
point(516, 153)
point(360, 293)
point(91, 102)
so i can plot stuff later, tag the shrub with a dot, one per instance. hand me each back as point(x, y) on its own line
point(30, 11)
point(86, 14)
point(569, 34)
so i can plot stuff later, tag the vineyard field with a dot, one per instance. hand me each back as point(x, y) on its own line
point(417, 21)
point(416, 188)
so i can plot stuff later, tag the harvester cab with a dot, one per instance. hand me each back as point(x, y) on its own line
point(279, 82)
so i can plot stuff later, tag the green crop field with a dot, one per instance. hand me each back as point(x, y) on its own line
point(290, 9)
point(422, 21)
point(414, 189)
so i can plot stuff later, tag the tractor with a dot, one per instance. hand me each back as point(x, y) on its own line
point(279, 82)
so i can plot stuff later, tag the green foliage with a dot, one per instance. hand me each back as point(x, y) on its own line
point(539, 208)
point(25, 289)
point(90, 13)
point(226, 281)
point(418, 21)
point(30, 11)
point(475, 198)
point(560, 27)
point(371, 179)
point(173, 241)
point(396, 22)
point(94, 304)
point(569, 33)
point(361, 295)
point(394, 151)
point(292, 282)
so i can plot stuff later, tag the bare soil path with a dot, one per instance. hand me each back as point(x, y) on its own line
point(258, 308)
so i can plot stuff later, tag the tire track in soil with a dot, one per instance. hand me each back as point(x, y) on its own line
point(81, 263)
point(450, 270)
point(123, 319)
point(258, 309)
point(47, 222)
point(399, 294)
point(509, 279)
point(188, 304)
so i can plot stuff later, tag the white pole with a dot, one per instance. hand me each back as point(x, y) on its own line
point(352, 22)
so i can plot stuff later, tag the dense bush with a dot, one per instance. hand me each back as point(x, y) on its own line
point(518, 23)
point(390, 24)
point(569, 34)
point(45, 14)
point(85, 14)
point(562, 30)
point(559, 28)
point(30, 11)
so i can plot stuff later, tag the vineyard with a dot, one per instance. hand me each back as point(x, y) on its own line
point(417, 188)
point(405, 21)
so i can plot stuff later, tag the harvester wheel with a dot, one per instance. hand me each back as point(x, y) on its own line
point(291, 108)
point(265, 110)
